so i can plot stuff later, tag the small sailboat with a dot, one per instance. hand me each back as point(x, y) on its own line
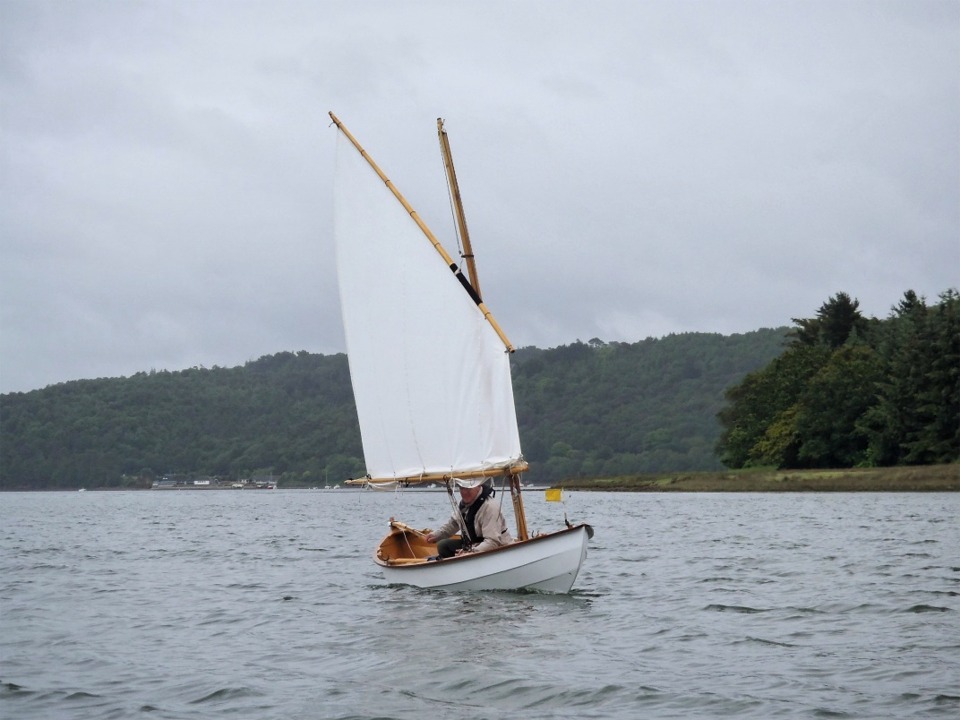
point(430, 369)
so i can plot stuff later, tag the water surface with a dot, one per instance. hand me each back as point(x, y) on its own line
point(242, 604)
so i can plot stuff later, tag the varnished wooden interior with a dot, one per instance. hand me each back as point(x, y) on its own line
point(405, 546)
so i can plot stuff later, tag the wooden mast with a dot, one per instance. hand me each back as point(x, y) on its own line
point(426, 231)
point(514, 479)
point(518, 510)
point(458, 206)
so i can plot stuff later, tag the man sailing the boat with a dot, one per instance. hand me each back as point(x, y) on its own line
point(478, 521)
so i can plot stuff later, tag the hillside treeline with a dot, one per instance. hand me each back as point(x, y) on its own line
point(593, 409)
point(583, 409)
point(853, 392)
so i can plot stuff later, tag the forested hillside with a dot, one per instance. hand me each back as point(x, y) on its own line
point(584, 409)
point(611, 409)
point(852, 391)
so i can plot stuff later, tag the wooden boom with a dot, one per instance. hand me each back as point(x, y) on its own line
point(511, 470)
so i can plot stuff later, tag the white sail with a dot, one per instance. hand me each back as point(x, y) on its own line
point(431, 377)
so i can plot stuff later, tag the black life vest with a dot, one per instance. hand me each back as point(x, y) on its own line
point(469, 513)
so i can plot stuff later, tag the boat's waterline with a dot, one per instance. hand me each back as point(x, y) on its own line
point(548, 563)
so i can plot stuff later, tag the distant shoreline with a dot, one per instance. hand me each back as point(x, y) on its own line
point(915, 478)
point(919, 478)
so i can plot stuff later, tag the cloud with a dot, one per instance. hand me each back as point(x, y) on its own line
point(628, 169)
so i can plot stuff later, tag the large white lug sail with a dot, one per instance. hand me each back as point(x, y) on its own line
point(430, 375)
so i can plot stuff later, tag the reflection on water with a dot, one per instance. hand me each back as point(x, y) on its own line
point(267, 605)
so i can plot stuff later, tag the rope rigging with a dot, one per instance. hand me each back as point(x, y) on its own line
point(453, 213)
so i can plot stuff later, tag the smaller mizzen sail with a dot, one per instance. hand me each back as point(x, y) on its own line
point(430, 372)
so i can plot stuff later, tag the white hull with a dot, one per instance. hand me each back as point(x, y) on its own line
point(548, 563)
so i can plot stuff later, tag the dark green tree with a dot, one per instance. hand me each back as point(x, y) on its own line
point(829, 407)
point(759, 418)
point(836, 320)
point(901, 345)
point(853, 391)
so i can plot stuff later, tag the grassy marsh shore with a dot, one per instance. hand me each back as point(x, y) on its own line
point(924, 478)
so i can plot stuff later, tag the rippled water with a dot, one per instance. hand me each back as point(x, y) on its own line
point(216, 604)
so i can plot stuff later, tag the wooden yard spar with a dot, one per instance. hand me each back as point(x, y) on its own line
point(430, 236)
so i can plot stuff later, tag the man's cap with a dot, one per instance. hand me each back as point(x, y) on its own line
point(469, 482)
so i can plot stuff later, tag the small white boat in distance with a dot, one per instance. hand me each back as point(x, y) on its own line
point(430, 369)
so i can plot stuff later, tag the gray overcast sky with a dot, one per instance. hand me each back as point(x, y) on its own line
point(629, 169)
